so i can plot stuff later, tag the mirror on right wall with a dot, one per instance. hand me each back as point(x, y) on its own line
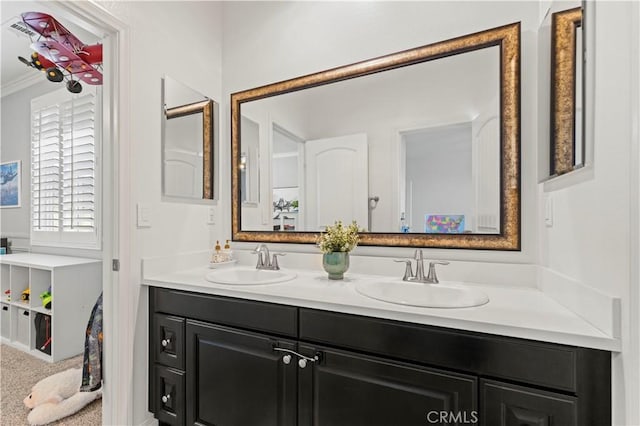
point(567, 147)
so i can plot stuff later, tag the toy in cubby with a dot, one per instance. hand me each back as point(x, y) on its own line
point(46, 297)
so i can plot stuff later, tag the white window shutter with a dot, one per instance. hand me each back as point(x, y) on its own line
point(45, 169)
point(78, 164)
point(64, 165)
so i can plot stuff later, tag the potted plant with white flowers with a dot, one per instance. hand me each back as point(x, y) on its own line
point(336, 243)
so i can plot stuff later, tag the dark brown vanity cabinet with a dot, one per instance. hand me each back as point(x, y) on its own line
point(226, 362)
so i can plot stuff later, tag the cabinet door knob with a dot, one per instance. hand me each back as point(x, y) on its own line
point(302, 363)
point(166, 398)
point(165, 342)
point(286, 359)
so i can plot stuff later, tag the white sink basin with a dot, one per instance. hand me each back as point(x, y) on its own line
point(248, 276)
point(442, 295)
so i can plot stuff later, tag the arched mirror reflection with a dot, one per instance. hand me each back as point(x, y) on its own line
point(188, 143)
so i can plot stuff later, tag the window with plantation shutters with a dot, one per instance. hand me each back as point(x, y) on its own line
point(64, 169)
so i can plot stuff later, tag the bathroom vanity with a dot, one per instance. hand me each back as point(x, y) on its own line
point(230, 356)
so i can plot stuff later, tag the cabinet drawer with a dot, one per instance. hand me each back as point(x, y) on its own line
point(509, 405)
point(168, 340)
point(247, 314)
point(543, 364)
point(169, 395)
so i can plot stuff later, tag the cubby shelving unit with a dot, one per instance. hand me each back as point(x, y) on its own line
point(75, 286)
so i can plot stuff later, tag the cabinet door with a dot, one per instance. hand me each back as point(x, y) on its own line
point(236, 377)
point(510, 405)
point(348, 389)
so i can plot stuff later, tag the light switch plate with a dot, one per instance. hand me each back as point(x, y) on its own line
point(143, 215)
point(211, 218)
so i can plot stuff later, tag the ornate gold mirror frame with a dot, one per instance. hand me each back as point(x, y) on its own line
point(507, 38)
point(563, 90)
point(206, 108)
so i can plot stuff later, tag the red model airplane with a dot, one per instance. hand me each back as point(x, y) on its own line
point(57, 51)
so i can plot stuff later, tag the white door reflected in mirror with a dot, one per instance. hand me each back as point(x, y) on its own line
point(188, 143)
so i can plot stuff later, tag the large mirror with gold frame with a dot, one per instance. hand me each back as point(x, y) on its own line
point(567, 151)
point(420, 147)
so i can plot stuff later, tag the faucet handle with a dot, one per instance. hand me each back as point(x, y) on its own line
point(408, 272)
point(274, 262)
point(432, 277)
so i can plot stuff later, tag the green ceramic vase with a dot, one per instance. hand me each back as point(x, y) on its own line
point(336, 264)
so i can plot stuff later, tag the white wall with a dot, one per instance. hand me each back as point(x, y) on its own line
point(591, 235)
point(16, 145)
point(183, 40)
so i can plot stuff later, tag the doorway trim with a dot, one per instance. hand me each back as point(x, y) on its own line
point(119, 312)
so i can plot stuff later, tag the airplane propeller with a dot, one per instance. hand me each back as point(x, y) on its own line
point(26, 62)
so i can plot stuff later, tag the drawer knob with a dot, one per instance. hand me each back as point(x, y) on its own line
point(165, 342)
point(166, 398)
point(302, 363)
point(286, 359)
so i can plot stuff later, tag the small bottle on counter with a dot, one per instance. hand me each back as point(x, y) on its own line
point(217, 256)
point(227, 251)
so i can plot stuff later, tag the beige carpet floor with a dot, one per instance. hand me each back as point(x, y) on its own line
point(19, 371)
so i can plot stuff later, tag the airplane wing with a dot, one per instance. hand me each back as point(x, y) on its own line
point(68, 60)
point(48, 27)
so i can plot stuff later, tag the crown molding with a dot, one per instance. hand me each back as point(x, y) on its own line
point(21, 83)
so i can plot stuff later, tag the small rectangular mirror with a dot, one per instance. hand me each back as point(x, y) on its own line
point(189, 133)
point(567, 141)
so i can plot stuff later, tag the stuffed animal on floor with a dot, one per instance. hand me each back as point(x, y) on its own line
point(58, 396)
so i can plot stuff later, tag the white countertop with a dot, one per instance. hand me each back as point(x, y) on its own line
point(512, 311)
point(46, 261)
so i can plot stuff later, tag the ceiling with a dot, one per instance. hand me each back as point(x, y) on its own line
point(13, 73)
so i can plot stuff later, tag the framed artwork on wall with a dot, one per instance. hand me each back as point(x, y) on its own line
point(10, 179)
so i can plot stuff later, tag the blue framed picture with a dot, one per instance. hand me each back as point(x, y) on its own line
point(10, 184)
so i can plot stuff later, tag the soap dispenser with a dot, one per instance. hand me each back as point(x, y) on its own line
point(216, 257)
point(227, 251)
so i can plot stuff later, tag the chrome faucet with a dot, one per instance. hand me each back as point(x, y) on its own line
point(264, 261)
point(419, 277)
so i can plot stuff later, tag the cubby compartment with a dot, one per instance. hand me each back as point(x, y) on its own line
point(19, 277)
point(75, 284)
point(5, 321)
point(41, 333)
point(40, 283)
